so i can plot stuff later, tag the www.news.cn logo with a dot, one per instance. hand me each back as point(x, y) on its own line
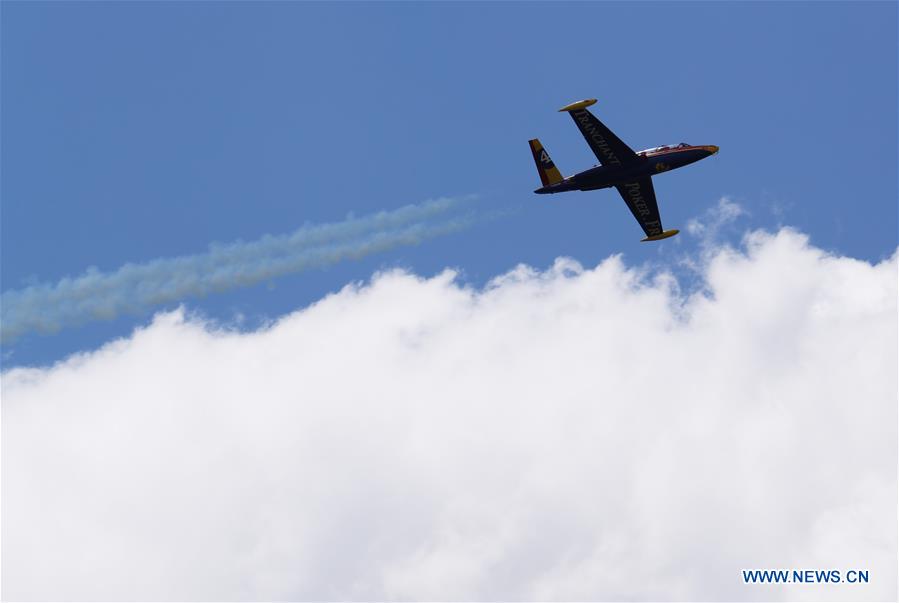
point(782, 576)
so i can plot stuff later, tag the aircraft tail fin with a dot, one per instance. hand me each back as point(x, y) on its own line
point(549, 173)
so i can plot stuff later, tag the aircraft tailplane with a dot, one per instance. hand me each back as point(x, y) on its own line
point(549, 173)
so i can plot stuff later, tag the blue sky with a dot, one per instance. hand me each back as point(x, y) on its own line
point(135, 131)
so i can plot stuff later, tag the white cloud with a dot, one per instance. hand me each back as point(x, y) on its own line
point(709, 226)
point(576, 434)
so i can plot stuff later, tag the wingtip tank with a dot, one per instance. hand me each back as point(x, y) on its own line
point(661, 235)
point(578, 105)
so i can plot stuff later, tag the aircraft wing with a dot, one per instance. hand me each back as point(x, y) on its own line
point(607, 147)
point(641, 200)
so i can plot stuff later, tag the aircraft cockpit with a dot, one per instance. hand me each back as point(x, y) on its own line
point(665, 147)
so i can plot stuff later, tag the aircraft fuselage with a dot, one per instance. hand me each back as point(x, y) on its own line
point(649, 164)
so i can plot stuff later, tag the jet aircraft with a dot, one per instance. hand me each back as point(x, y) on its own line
point(619, 166)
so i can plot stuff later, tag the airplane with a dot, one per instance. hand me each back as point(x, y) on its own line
point(619, 166)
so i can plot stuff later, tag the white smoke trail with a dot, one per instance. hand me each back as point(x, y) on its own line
point(135, 287)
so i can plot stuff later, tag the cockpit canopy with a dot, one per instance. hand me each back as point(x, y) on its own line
point(665, 147)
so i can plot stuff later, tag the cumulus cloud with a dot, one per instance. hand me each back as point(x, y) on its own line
point(709, 226)
point(574, 433)
point(135, 287)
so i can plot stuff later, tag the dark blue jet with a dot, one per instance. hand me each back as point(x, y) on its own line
point(619, 166)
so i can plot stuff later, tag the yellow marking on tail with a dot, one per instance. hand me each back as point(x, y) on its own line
point(549, 173)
